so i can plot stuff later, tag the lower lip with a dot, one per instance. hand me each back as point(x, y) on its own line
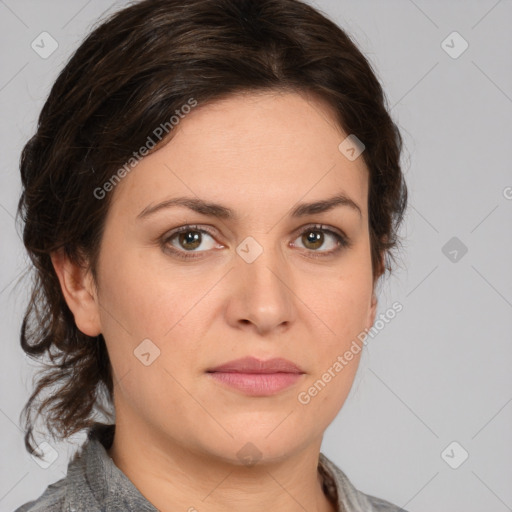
point(257, 384)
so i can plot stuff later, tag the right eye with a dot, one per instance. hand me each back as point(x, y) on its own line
point(186, 239)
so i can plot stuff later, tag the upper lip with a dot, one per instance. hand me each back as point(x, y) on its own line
point(254, 365)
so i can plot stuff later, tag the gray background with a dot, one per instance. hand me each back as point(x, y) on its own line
point(440, 371)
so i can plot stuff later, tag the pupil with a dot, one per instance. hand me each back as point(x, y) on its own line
point(189, 238)
point(314, 238)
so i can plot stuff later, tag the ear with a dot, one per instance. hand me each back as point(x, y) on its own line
point(373, 311)
point(79, 292)
point(374, 302)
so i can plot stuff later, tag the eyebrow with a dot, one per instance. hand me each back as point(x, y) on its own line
point(223, 212)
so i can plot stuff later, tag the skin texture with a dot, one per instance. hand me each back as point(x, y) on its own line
point(178, 431)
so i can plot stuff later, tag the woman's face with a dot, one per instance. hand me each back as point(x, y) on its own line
point(261, 283)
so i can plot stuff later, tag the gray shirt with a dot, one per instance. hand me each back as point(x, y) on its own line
point(95, 484)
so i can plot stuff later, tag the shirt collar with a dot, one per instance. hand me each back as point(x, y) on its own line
point(98, 484)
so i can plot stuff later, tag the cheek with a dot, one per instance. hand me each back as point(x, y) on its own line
point(146, 318)
point(143, 298)
point(342, 306)
point(143, 293)
point(345, 309)
point(342, 302)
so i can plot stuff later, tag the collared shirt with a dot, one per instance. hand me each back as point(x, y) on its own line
point(95, 484)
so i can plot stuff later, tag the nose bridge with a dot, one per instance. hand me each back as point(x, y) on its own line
point(262, 282)
point(259, 254)
point(261, 259)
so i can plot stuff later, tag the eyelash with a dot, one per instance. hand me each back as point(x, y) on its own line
point(343, 241)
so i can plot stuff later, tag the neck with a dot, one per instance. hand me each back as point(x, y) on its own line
point(174, 477)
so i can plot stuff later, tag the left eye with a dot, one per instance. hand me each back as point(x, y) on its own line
point(314, 237)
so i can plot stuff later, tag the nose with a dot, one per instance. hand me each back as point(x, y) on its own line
point(261, 295)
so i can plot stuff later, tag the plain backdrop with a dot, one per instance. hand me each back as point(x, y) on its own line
point(427, 424)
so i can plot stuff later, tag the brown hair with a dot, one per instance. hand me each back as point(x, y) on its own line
point(130, 75)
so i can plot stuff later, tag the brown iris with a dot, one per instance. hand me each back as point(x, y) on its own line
point(313, 237)
point(190, 237)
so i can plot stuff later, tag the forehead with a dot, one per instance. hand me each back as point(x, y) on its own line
point(250, 149)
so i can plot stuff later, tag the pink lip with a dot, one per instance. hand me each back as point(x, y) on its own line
point(257, 378)
point(253, 365)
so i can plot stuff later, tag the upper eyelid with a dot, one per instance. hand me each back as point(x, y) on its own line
point(210, 230)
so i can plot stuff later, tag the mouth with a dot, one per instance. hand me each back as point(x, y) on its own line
point(256, 377)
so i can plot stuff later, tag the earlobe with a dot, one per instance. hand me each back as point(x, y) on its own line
point(78, 289)
point(374, 301)
point(373, 310)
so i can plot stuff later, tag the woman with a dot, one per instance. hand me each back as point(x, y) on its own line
point(211, 197)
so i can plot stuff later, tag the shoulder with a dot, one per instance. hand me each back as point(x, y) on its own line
point(93, 482)
point(72, 492)
point(380, 505)
point(52, 499)
point(351, 499)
